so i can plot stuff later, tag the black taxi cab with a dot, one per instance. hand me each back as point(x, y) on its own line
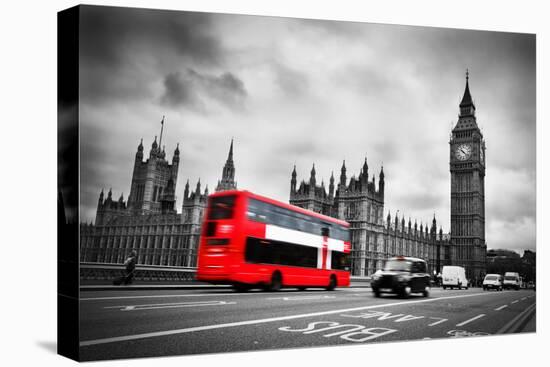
point(402, 276)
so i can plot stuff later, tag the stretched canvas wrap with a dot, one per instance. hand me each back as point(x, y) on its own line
point(241, 183)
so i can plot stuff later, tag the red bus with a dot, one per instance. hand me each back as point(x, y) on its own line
point(249, 240)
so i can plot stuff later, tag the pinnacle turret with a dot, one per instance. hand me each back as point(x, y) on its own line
point(227, 181)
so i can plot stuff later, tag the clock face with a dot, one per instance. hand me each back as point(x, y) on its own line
point(463, 152)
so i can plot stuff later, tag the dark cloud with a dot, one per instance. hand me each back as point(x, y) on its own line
point(193, 89)
point(120, 47)
point(110, 35)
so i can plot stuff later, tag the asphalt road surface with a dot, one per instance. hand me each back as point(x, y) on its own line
point(132, 323)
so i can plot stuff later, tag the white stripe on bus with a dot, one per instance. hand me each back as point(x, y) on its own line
point(300, 238)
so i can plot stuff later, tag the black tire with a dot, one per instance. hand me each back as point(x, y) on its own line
point(406, 292)
point(426, 292)
point(276, 282)
point(376, 293)
point(241, 288)
point(331, 283)
point(302, 288)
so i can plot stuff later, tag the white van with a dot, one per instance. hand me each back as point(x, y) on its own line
point(511, 281)
point(454, 277)
point(492, 281)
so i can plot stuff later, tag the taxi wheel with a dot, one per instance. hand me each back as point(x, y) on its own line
point(426, 292)
point(376, 293)
point(406, 292)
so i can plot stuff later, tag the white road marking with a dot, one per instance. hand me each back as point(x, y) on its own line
point(501, 307)
point(470, 320)
point(171, 305)
point(463, 333)
point(253, 293)
point(437, 322)
point(301, 298)
point(516, 301)
point(524, 298)
point(262, 321)
point(346, 334)
point(381, 316)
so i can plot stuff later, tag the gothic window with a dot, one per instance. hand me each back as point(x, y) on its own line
point(368, 212)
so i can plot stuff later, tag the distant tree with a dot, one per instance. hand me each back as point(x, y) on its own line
point(500, 261)
point(529, 266)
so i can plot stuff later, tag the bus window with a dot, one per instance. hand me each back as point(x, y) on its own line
point(340, 261)
point(221, 207)
point(281, 253)
point(263, 212)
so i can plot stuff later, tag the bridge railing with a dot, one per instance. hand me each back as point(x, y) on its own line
point(94, 272)
point(109, 271)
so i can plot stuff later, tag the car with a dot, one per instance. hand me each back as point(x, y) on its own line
point(492, 281)
point(454, 277)
point(402, 276)
point(511, 281)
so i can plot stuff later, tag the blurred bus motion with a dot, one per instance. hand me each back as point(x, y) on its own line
point(248, 240)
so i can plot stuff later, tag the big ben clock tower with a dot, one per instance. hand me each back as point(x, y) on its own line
point(467, 166)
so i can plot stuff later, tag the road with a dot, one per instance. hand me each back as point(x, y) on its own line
point(133, 323)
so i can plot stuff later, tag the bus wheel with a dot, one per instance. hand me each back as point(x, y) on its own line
point(276, 282)
point(331, 283)
point(302, 288)
point(241, 287)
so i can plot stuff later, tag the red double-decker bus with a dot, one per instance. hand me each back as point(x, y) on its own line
point(249, 240)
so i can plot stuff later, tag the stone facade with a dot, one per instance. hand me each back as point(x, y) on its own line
point(148, 222)
point(361, 204)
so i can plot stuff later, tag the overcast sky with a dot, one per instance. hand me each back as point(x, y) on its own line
point(294, 91)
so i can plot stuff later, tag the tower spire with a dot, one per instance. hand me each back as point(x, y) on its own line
point(161, 129)
point(467, 97)
point(230, 155)
point(228, 173)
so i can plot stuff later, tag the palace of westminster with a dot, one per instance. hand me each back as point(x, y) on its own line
point(149, 223)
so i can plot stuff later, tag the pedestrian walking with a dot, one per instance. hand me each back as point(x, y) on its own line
point(130, 265)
